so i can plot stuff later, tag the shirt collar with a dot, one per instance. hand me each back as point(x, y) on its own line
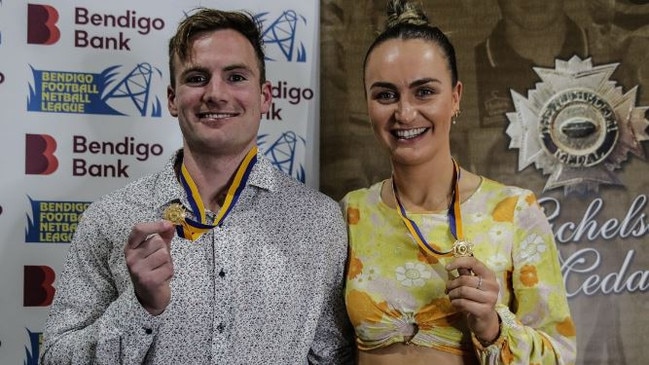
point(168, 188)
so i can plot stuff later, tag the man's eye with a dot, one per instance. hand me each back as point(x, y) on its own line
point(196, 79)
point(236, 78)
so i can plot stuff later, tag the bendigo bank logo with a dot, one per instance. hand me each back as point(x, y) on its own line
point(128, 146)
point(284, 93)
point(39, 154)
point(53, 221)
point(98, 29)
point(41, 24)
point(113, 91)
point(38, 290)
point(34, 350)
point(41, 160)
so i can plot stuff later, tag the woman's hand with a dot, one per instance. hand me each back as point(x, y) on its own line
point(475, 292)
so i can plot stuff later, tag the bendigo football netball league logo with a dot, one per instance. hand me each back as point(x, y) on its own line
point(577, 126)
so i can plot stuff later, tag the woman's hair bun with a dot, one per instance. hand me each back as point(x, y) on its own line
point(401, 12)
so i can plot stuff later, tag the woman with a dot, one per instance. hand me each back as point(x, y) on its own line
point(445, 267)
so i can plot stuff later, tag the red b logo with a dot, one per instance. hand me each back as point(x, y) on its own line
point(37, 287)
point(39, 154)
point(41, 24)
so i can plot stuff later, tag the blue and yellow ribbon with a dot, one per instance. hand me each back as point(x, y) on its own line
point(192, 229)
point(454, 214)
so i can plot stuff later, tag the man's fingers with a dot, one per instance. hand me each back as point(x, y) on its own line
point(167, 233)
point(158, 258)
point(142, 232)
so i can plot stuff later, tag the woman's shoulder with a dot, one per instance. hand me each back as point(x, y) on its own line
point(357, 196)
point(497, 188)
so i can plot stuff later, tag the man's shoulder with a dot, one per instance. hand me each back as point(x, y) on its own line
point(295, 189)
point(288, 187)
point(140, 185)
point(137, 191)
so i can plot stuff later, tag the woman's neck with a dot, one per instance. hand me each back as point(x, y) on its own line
point(425, 188)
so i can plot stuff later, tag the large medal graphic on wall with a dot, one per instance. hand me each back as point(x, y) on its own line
point(577, 126)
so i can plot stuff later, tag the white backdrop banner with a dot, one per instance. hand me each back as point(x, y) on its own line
point(83, 100)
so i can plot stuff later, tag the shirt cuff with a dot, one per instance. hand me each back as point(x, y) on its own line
point(126, 317)
point(507, 321)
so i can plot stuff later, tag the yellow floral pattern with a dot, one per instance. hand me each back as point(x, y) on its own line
point(354, 267)
point(405, 293)
point(528, 275)
point(353, 216)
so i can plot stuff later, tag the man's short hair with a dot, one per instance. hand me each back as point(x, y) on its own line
point(208, 20)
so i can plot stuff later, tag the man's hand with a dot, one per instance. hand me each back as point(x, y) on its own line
point(148, 258)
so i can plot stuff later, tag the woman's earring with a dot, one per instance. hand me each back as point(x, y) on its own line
point(456, 115)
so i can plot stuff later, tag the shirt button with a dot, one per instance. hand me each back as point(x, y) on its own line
point(222, 273)
point(148, 331)
point(220, 327)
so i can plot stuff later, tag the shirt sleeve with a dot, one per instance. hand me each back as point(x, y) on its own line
point(94, 318)
point(333, 341)
point(536, 327)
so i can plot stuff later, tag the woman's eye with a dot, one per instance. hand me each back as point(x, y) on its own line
point(425, 92)
point(385, 96)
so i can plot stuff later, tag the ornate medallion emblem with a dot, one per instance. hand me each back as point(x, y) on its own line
point(175, 213)
point(462, 248)
point(577, 126)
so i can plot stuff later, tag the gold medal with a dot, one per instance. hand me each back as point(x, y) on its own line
point(175, 213)
point(462, 248)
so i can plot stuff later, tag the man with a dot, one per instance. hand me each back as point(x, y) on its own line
point(247, 265)
point(530, 34)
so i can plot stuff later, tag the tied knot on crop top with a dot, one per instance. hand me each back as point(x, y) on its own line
point(379, 324)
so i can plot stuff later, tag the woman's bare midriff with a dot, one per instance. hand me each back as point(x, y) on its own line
point(400, 353)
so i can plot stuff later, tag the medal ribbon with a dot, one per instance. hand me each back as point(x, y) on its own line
point(454, 217)
point(192, 229)
point(455, 214)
